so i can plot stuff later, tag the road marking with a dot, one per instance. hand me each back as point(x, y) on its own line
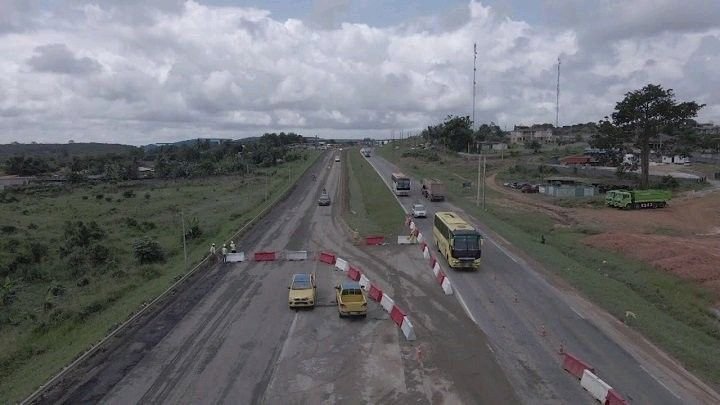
point(490, 347)
point(660, 382)
point(577, 313)
point(465, 307)
point(287, 339)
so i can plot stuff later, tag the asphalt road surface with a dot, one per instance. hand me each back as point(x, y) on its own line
point(527, 319)
point(227, 336)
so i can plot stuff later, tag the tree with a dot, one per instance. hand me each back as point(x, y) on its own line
point(148, 250)
point(642, 116)
point(533, 145)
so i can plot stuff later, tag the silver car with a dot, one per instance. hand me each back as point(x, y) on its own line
point(418, 211)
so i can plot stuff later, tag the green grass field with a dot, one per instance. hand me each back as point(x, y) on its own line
point(373, 210)
point(53, 317)
point(672, 313)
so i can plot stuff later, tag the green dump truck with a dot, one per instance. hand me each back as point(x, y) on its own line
point(636, 199)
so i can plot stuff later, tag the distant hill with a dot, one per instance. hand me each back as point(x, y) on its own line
point(55, 149)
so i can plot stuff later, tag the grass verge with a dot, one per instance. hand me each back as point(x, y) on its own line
point(672, 313)
point(372, 209)
point(41, 331)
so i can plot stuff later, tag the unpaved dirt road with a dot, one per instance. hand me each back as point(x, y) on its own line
point(527, 318)
point(227, 335)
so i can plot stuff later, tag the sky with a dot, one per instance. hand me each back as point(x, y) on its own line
point(141, 72)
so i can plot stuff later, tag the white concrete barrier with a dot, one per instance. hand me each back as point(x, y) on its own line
point(235, 257)
point(595, 386)
point(408, 329)
point(404, 240)
point(436, 268)
point(387, 303)
point(446, 286)
point(426, 253)
point(293, 255)
point(420, 237)
point(341, 264)
point(364, 282)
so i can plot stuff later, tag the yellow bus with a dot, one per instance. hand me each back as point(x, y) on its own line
point(457, 241)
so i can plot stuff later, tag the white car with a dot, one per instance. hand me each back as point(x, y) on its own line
point(337, 158)
point(418, 211)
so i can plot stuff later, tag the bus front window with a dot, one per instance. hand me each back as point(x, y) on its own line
point(466, 243)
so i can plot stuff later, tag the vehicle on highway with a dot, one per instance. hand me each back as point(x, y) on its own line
point(303, 291)
point(337, 158)
point(350, 299)
point(324, 199)
point(457, 241)
point(418, 211)
point(433, 189)
point(400, 184)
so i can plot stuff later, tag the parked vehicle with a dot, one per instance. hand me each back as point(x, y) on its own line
point(433, 189)
point(636, 199)
point(303, 291)
point(530, 188)
point(350, 299)
point(337, 158)
point(418, 211)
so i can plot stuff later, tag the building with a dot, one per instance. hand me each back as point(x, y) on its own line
point(575, 133)
point(559, 186)
point(578, 160)
point(707, 129)
point(145, 172)
point(543, 133)
point(14, 181)
point(493, 146)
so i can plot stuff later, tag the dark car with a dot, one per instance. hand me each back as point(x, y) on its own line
point(324, 199)
point(529, 188)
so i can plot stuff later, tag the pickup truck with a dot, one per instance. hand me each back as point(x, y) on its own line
point(324, 199)
point(350, 299)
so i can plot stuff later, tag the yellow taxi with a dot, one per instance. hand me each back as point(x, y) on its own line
point(303, 291)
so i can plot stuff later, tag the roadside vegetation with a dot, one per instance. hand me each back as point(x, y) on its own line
point(674, 314)
point(78, 258)
point(372, 209)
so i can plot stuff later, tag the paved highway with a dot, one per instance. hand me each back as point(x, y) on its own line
point(227, 335)
point(513, 303)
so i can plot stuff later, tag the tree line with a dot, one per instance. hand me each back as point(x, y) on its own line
point(188, 159)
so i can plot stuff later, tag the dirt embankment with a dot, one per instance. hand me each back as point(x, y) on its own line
point(683, 239)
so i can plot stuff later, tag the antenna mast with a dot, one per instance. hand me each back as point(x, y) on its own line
point(557, 98)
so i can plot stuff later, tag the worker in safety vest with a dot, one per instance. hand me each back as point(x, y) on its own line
point(212, 249)
point(414, 235)
point(232, 247)
point(224, 253)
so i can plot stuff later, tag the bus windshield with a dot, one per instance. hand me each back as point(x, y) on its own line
point(466, 242)
point(403, 184)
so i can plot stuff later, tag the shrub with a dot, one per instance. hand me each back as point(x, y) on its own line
point(100, 196)
point(148, 250)
point(8, 229)
point(193, 230)
point(147, 196)
point(668, 182)
point(99, 254)
point(128, 194)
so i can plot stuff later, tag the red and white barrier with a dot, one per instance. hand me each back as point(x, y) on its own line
point(387, 303)
point(235, 257)
point(595, 386)
point(375, 293)
point(447, 288)
point(436, 268)
point(426, 253)
point(353, 274)
point(412, 226)
point(575, 366)
point(374, 240)
point(599, 389)
point(364, 282)
point(327, 258)
point(420, 237)
point(341, 264)
point(408, 329)
point(264, 256)
point(295, 255)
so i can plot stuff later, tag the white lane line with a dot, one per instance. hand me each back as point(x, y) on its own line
point(660, 382)
point(577, 313)
point(465, 307)
point(490, 347)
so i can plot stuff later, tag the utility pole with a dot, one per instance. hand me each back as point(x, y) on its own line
point(557, 98)
point(474, 71)
point(477, 195)
point(484, 160)
point(182, 218)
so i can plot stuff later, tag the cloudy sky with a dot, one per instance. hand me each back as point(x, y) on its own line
point(153, 71)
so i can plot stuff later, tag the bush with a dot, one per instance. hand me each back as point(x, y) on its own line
point(148, 250)
point(100, 196)
point(147, 196)
point(422, 154)
point(128, 194)
point(193, 230)
point(668, 182)
point(8, 229)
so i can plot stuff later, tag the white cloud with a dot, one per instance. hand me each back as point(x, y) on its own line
point(141, 72)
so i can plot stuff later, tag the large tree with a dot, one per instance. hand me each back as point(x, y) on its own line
point(642, 116)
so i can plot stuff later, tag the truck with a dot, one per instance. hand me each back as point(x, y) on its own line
point(350, 299)
point(637, 199)
point(433, 189)
point(365, 152)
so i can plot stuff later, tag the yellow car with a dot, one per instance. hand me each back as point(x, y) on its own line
point(303, 291)
point(350, 299)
